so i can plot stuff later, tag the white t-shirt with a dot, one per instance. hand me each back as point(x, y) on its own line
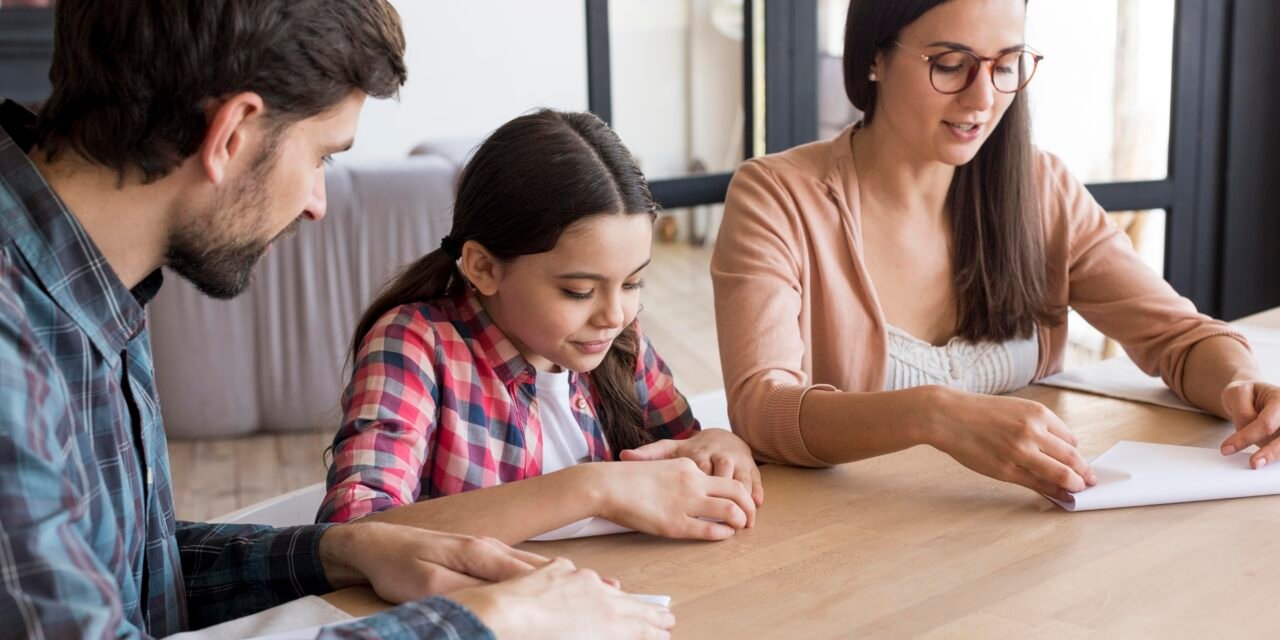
point(563, 442)
point(564, 445)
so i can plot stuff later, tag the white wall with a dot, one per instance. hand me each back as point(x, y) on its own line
point(473, 65)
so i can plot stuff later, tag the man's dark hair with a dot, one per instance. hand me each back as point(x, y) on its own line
point(132, 79)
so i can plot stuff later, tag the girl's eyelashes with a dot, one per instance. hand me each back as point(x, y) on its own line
point(587, 295)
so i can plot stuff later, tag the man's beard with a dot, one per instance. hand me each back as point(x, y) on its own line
point(221, 268)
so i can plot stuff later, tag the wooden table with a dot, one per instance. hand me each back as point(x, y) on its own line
point(915, 545)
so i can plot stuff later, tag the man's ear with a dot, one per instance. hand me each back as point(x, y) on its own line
point(480, 268)
point(230, 133)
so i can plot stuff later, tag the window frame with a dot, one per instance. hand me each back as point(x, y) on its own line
point(1191, 193)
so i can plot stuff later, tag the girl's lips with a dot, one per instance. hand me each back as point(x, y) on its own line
point(594, 346)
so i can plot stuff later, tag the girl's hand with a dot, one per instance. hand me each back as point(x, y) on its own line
point(1008, 439)
point(671, 498)
point(1254, 409)
point(717, 452)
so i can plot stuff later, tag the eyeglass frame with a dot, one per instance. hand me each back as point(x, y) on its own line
point(979, 61)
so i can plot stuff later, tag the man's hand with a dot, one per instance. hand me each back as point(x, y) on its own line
point(405, 563)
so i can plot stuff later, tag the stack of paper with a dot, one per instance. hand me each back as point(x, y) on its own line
point(1120, 378)
point(1135, 474)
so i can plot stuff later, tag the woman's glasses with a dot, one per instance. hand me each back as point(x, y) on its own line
point(953, 71)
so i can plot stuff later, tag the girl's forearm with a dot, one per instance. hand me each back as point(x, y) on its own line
point(512, 512)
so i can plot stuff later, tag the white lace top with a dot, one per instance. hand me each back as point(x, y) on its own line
point(977, 368)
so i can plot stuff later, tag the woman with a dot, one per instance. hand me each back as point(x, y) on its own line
point(874, 291)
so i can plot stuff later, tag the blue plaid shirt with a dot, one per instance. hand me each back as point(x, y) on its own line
point(89, 546)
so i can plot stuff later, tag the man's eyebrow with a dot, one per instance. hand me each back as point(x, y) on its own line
point(964, 47)
point(584, 275)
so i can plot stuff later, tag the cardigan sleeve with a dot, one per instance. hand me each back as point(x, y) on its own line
point(1116, 292)
point(755, 270)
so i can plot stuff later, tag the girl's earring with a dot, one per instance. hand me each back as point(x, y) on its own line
point(873, 77)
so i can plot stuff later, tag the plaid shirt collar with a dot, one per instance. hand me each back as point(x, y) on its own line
point(495, 347)
point(57, 248)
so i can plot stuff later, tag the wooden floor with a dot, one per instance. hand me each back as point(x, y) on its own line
point(213, 477)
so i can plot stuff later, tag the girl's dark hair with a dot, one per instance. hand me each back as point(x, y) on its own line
point(998, 257)
point(528, 182)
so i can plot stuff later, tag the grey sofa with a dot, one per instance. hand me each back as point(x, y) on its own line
point(273, 359)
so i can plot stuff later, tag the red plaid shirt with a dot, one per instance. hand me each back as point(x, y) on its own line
point(441, 402)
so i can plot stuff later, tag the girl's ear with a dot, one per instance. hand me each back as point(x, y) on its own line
point(480, 268)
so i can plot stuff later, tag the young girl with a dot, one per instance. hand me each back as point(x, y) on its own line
point(512, 353)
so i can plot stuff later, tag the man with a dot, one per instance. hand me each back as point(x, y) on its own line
point(192, 135)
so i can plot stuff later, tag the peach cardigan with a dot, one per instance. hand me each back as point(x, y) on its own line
point(796, 309)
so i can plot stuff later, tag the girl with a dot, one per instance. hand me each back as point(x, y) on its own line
point(925, 258)
point(512, 353)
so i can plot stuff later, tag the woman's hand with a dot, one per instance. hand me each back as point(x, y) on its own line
point(670, 498)
point(1008, 439)
point(560, 601)
point(1254, 408)
point(716, 451)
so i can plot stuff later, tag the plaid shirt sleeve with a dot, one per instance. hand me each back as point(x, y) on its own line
point(429, 619)
point(667, 414)
point(234, 570)
point(389, 413)
point(51, 583)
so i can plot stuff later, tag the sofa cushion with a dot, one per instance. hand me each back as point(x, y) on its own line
point(273, 358)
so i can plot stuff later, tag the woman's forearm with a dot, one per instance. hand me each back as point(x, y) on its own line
point(1213, 364)
point(512, 512)
point(839, 426)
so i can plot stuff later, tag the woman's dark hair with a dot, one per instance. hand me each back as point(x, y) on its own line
point(528, 182)
point(132, 78)
point(998, 257)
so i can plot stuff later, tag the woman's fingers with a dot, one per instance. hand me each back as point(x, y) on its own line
point(1052, 471)
point(1069, 456)
point(1258, 431)
point(1037, 484)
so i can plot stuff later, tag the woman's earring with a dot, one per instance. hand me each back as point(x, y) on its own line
point(872, 76)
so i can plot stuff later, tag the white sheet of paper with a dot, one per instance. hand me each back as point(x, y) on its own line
point(1120, 378)
point(1136, 474)
point(582, 529)
point(652, 599)
point(308, 633)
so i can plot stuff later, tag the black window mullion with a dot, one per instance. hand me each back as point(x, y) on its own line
point(1192, 256)
point(791, 73)
point(599, 61)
